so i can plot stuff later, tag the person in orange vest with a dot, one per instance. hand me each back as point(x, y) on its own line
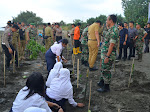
point(76, 39)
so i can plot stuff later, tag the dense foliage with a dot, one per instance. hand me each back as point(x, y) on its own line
point(136, 10)
point(35, 49)
point(28, 17)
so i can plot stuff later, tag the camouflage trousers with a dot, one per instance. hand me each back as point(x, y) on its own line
point(105, 70)
point(85, 53)
point(139, 47)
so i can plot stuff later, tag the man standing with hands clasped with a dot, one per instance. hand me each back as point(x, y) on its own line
point(108, 53)
point(93, 44)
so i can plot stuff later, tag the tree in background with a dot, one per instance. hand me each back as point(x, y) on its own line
point(28, 17)
point(136, 10)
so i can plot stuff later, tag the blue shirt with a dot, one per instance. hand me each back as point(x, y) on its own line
point(122, 35)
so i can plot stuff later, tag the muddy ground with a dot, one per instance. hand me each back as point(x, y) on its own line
point(133, 99)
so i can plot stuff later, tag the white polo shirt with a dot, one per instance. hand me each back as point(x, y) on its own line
point(20, 104)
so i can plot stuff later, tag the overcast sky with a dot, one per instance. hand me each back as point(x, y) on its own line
point(57, 10)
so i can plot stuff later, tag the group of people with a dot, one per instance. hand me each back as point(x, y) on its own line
point(58, 88)
point(15, 38)
point(133, 38)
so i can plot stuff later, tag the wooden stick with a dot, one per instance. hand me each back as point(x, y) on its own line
point(14, 63)
point(18, 57)
point(4, 71)
point(78, 73)
point(119, 110)
point(90, 95)
point(73, 62)
point(67, 51)
point(132, 69)
point(87, 77)
point(114, 66)
point(0, 45)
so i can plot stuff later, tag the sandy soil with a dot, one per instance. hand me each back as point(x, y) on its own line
point(133, 99)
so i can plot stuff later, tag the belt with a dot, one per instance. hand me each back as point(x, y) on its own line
point(93, 39)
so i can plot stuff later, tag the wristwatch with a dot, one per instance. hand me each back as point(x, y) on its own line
point(107, 56)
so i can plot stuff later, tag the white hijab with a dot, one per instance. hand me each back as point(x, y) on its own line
point(54, 73)
point(60, 87)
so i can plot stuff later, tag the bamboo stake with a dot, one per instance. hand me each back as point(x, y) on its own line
point(78, 73)
point(87, 77)
point(90, 97)
point(114, 66)
point(73, 62)
point(132, 69)
point(18, 57)
point(0, 44)
point(4, 71)
point(14, 63)
point(67, 51)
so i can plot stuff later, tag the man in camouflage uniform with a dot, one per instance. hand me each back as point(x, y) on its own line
point(108, 53)
point(139, 40)
point(84, 55)
point(16, 39)
point(32, 33)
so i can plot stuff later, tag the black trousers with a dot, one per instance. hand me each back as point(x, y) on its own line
point(77, 43)
point(124, 47)
point(60, 103)
point(58, 38)
point(9, 56)
point(132, 47)
point(146, 50)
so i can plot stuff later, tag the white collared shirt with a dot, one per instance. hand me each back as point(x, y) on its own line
point(20, 104)
point(57, 48)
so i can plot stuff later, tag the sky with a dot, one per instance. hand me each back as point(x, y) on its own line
point(57, 10)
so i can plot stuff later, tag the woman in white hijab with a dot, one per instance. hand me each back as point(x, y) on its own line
point(54, 73)
point(61, 90)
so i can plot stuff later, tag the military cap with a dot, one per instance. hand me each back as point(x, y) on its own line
point(138, 24)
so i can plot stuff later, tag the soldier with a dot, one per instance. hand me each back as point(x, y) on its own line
point(84, 42)
point(31, 32)
point(93, 43)
point(72, 34)
point(108, 53)
point(16, 39)
point(48, 36)
point(22, 40)
point(139, 40)
point(7, 45)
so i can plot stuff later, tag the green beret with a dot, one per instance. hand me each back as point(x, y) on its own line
point(32, 24)
point(138, 24)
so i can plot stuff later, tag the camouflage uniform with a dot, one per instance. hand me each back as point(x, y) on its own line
point(139, 43)
point(110, 36)
point(84, 55)
point(32, 33)
point(15, 39)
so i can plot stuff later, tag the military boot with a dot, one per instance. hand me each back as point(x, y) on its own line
point(140, 57)
point(105, 88)
point(101, 83)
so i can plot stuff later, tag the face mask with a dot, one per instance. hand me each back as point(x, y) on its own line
point(63, 47)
